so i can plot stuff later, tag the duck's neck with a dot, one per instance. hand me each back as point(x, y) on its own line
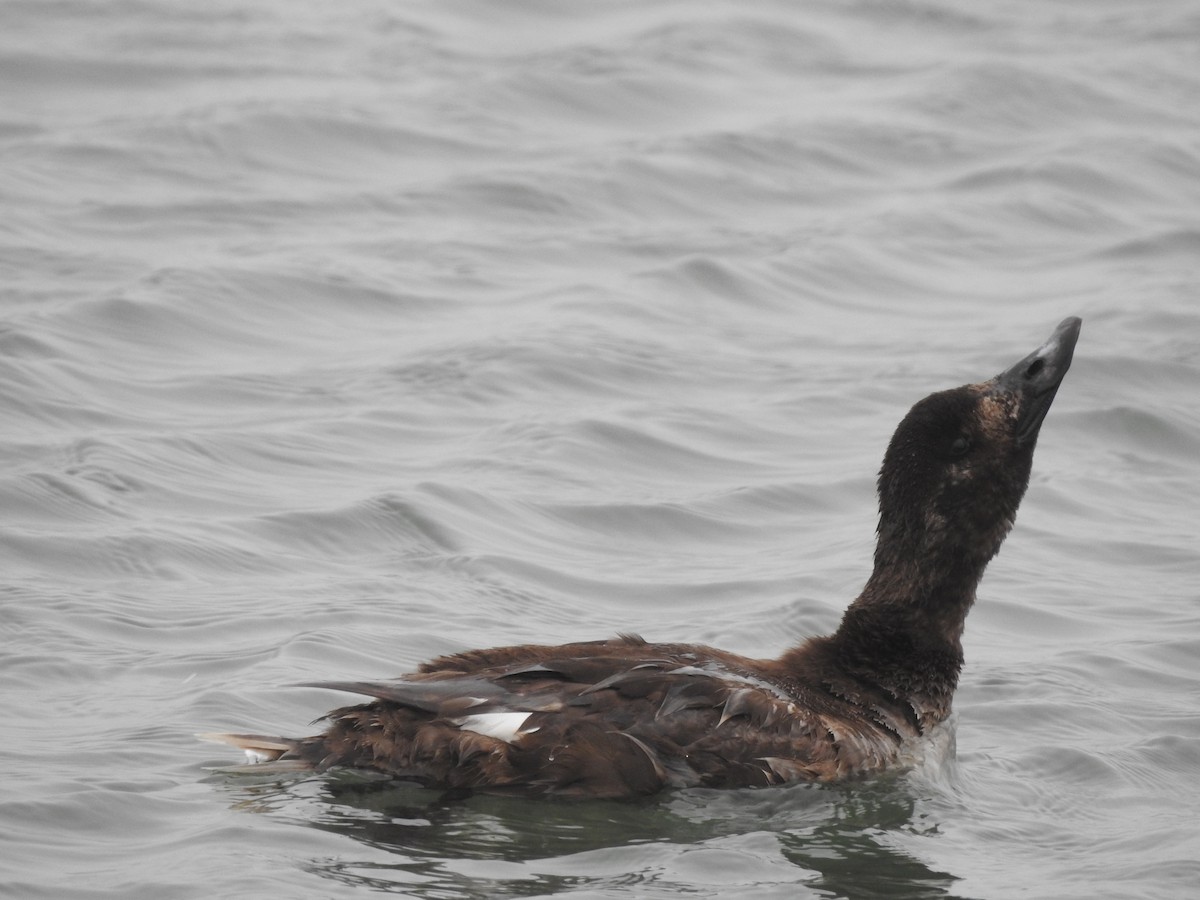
point(904, 632)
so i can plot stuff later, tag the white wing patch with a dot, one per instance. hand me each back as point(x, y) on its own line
point(504, 726)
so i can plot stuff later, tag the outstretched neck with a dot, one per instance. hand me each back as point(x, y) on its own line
point(904, 632)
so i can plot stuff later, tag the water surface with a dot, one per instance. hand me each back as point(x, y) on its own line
point(335, 337)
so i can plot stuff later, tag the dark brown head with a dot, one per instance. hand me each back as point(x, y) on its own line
point(958, 464)
point(952, 479)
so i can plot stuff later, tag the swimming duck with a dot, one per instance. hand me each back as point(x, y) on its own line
point(623, 718)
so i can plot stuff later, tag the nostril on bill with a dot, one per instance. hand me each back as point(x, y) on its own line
point(1035, 367)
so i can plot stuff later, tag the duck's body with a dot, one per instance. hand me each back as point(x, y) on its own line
point(625, 718)
point(614, 718)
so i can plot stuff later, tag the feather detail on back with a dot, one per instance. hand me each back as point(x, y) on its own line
point(596, 725)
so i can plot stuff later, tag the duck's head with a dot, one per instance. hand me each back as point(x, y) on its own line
point(959, 462)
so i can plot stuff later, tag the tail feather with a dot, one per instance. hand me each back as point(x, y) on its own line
point(259, 748)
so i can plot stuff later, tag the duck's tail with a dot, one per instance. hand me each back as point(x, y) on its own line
point(265, 754)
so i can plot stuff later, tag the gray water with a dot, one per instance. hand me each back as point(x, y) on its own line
point(336, 336)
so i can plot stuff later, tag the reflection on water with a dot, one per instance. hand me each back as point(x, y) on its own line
point(853, 857)
point(803, 840)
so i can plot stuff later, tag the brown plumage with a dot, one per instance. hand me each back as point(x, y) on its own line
point(626, 718)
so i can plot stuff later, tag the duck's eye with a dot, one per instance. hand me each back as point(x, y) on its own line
point(961, 445)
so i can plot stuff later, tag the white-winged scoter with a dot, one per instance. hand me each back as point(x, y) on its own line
point(626, 718)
